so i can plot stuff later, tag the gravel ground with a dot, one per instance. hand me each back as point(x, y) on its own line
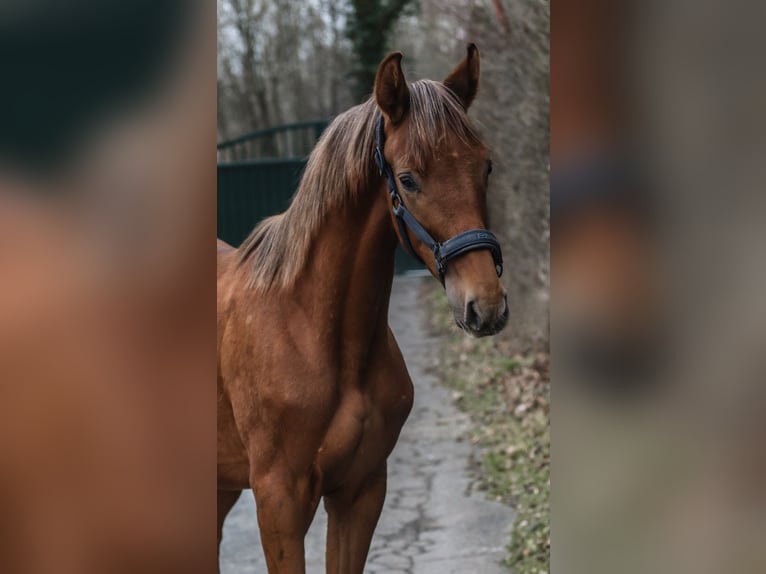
point(432, 522)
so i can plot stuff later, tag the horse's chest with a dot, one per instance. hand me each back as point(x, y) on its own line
point(364, 429)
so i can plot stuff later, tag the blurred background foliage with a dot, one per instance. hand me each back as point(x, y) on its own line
point(283, 61)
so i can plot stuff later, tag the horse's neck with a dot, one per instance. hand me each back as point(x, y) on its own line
point(347, 283)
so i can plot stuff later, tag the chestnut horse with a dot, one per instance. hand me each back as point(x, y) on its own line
point(312, 387)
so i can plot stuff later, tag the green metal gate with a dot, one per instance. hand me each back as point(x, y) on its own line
point(249, 191)
point(258, 175)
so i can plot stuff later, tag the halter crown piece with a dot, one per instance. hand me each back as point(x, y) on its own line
point(456, 246)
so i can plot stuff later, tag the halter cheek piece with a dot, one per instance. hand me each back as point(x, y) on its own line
point(456, 246)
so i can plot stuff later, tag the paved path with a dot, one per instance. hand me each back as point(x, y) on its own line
point(431, 522)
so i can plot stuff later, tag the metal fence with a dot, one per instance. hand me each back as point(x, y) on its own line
point(287, 141)
point(253, 190)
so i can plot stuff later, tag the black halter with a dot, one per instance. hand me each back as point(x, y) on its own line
point(456, 246)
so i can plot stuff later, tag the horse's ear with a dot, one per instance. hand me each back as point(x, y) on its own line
point(391, 92)
point(464, 79)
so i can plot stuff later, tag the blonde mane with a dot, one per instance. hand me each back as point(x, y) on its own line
point(337, 171)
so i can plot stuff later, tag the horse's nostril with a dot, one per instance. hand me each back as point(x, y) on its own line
point(472, 318)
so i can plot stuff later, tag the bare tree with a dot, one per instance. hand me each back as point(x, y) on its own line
point(280, 62)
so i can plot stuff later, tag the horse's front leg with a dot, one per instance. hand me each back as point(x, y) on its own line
point(352, 515)
point(286, 506)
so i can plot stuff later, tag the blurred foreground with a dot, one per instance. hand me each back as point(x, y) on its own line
point(107, 288)
point(658, 318)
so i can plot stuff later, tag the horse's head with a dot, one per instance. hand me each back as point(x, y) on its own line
point(439, 171)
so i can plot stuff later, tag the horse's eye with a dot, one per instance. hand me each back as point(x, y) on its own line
point(489, 167)
point(408, 182)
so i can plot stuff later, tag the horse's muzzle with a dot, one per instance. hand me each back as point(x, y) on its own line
point(480, 318)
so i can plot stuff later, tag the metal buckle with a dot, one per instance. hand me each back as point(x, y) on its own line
point(396, 204)
point(441, 263)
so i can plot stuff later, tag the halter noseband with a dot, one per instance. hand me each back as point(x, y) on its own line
point(456, 246)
